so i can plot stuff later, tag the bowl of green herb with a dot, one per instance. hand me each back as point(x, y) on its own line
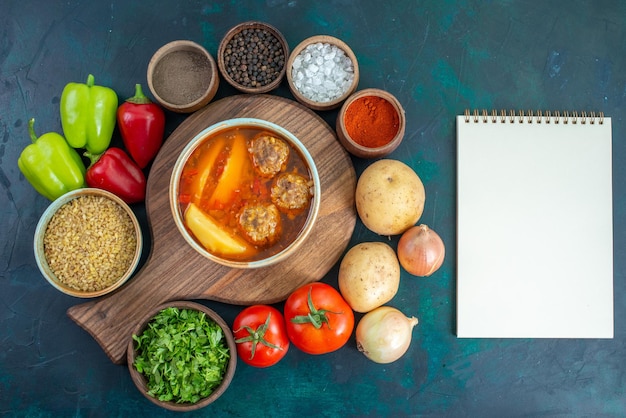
point(182, 356)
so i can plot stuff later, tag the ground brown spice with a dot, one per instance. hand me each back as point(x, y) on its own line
point(182, 77)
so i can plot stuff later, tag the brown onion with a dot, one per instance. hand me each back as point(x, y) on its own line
point(421, 251)
point(384, 334)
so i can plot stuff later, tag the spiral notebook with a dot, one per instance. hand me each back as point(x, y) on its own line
point(534, 225)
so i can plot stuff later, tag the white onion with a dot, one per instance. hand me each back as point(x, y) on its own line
point(421, 251)
point(384, 334)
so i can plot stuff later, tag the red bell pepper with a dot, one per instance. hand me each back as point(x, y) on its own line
point(142, 124)
point(117, 173)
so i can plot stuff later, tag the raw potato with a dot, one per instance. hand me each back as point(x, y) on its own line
point(389, 197)
point(369, 276)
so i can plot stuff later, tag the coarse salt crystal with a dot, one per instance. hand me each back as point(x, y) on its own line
point(323, 72)
point(297, 62)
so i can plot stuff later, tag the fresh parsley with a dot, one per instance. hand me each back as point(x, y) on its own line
point(183, 354)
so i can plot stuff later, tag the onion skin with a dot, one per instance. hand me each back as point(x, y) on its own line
point(421, 251)
point(384, 334)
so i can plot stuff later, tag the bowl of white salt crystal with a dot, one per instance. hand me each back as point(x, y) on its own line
point(322, 71)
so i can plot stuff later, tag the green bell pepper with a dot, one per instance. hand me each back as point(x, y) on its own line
point(50, 165)
point(88, 115)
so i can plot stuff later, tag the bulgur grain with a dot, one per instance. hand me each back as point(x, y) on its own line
point(90, 243)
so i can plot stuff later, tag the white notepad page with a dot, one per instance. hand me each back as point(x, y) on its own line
point(535, 228)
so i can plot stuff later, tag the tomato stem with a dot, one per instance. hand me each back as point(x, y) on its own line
point(257, 336)
point(315, 317)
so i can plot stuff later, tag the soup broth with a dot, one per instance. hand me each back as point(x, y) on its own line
point(244, 193)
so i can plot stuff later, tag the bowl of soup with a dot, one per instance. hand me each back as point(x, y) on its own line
point(245, 193)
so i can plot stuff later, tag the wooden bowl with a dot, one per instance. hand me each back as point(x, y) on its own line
point(229, 70)
point(276, 252)
point(183, 76)
point(42, 229)
point(302, 94)
point(360, 148)
point(140, 380)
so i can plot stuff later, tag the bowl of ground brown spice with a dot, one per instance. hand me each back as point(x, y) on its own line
point(371, 123)
point(183, 76)
point(87, 243)
point(252, 57)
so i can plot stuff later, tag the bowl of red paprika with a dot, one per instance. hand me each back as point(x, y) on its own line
point(371, 123)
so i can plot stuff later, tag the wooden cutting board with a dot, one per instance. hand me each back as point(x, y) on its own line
point(174, 271)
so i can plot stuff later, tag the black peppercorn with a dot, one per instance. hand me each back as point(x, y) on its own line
point(254, 57)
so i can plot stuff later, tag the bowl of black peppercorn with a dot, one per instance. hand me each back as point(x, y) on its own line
point(252, 57)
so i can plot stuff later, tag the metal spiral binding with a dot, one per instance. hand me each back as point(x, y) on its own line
point(530, 116)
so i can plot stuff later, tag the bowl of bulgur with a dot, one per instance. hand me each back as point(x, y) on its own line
point(87, 243)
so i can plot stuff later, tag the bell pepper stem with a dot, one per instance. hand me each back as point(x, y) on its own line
point(90, 80)
point(139, 97)
point(31, 130)
point(93, 158)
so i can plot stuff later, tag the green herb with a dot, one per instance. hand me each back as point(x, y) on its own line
point(183, 355)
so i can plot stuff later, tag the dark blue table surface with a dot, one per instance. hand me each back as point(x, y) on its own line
point(438, 58)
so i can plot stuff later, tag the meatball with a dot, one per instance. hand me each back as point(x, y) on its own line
point(260, 223)
point(291, 191)
point(269, 154)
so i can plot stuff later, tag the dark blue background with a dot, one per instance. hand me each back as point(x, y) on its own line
point(438, 58)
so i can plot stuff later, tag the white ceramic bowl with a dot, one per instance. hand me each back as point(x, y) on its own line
point(226, 125)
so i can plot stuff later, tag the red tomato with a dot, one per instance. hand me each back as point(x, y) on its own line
point(318, 319)
point(260, 335)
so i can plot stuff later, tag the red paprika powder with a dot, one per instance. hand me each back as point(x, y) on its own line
point(371, 121)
